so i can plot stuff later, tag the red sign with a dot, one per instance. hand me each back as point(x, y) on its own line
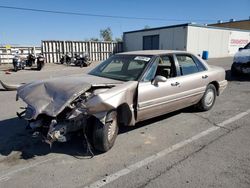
point(238, 41)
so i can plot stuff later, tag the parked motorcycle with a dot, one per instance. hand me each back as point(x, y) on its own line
point(67, 58)
point(82, 60)
point(18, 63)
point(30, 60)
point(40, 62)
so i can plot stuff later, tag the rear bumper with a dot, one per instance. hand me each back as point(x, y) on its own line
point(222, 86)
point(242, 67)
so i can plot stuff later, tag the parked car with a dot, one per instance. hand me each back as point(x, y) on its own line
point(125, 89)
point(241, 62)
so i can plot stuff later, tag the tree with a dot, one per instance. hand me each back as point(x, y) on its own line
point(94, 39)
point(118, 39)
point(146, 27)
point(106, 34)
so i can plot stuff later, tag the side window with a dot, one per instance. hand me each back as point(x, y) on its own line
point(187, 65)
point(199, 64)
point(163, 66)
point(150, 74)
point(166, 60)
point(166, 67)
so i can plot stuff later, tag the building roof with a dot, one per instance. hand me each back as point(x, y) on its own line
point(185, 25)
point(239, 24)
point(234, 21)
point(152, 52)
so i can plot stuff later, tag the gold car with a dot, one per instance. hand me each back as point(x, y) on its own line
point(121, 91)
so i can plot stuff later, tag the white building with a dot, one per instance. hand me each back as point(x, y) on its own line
point(219, 42)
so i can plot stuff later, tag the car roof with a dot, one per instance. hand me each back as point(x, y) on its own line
point(153, 52)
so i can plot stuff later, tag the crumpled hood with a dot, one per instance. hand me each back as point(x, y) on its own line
point(51, 96)
point(242, 56)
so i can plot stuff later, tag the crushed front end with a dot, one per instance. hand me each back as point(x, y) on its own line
point(73, 119)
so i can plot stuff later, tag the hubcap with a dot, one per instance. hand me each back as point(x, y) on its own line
point(111, 129)
point(209, 99)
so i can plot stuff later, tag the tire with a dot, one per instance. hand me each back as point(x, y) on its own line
point(68, 63)
point(104, 135)
point(39, 66)
point(208, 99)
point(15, 68)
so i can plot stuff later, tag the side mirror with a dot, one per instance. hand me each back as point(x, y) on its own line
point(241, 49)
point(159, 79)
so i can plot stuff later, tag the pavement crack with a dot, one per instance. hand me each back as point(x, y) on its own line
point(192, 154)
point(213, 123)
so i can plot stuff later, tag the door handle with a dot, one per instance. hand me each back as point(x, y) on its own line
point(175, 84)
point(205, 76)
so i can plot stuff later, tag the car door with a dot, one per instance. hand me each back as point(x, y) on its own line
point(183, 88)
point(193, 78)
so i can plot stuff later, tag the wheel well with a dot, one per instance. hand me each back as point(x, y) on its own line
point(124, 114)
point(216, 85)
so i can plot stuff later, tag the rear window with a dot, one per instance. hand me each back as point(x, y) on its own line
point(187, 65)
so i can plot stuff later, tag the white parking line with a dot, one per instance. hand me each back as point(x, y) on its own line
point(112, 177)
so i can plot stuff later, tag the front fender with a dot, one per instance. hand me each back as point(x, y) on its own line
point(113, 99)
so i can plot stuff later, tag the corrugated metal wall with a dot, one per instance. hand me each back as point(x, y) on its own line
point(6, 55)
point(219, 42)
point(216, 41)
point(98, 51)
point(174, 38)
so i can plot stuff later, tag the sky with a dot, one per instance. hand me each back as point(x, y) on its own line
point(29, 28)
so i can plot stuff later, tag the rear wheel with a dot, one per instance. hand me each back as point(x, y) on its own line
point(39, 66)
point(15, 68)
point(104, 135)
point(208, 99)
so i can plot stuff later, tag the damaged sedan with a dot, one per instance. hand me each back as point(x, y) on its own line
point(125, 89)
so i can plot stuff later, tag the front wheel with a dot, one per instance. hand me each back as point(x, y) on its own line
point(208, 99)
point(40, 66)
point(104, 135)
point(81, 64)
point(15, 68)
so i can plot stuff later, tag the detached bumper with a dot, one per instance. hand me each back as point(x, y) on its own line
point(222, 86)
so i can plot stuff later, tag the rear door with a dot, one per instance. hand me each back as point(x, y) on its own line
point(193, 78)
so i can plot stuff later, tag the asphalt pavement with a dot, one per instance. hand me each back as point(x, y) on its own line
point(181, 149)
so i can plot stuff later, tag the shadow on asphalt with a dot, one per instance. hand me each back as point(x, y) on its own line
point(125, 129)
point(15, 137)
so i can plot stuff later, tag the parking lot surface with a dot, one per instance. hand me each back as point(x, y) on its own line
point(181, 149)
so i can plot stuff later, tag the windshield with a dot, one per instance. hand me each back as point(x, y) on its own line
point(122, 67)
